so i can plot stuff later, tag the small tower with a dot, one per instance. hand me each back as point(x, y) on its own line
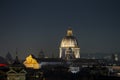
point(41, 54)
point(9, 58)
point(114, 57)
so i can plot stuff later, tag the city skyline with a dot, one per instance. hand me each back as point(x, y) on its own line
point(40, 25)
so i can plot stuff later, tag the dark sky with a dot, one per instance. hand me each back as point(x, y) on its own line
point(32, 25)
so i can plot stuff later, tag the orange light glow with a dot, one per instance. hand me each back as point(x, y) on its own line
point(31, 63)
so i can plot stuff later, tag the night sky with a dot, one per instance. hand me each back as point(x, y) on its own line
point(32, 25)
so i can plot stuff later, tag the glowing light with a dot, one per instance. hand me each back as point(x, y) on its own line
point(3, 64)
point(69, 32)
point(68, 43)
point(31, 63)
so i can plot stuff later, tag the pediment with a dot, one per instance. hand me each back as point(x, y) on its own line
point(11, 71)
point(23, 71)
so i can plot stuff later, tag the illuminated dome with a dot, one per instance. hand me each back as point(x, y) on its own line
point(69, 40)
point(69, 48)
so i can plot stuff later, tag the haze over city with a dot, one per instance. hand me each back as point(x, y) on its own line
point(34, 25)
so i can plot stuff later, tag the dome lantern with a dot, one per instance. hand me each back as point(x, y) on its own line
point(69, 32)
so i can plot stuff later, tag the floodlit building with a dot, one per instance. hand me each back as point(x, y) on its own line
point(69, 48)
point(31, 62)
